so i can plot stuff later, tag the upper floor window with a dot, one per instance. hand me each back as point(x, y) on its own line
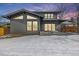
point(31, 17)
point(49, 16)
point(52, 16)
point(46, 16)
point(19, 17)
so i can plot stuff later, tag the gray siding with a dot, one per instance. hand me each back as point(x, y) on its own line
point(17, 27)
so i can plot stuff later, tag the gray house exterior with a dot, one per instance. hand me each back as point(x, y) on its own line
point(34, 22)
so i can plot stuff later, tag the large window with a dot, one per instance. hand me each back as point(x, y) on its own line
point(31, 17)
point(49, 27)
point(52, 16)
point(35, 26)
point(32, 26)
point(46, 15)
point(49, 16)
point(19, 17)
point(29, 26)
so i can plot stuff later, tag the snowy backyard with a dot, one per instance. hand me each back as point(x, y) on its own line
point(36, 45)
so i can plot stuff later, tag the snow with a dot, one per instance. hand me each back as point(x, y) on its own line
point(36, 45)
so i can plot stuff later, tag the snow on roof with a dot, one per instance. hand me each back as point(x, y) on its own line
point(67, 23)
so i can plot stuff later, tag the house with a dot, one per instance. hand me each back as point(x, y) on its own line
point(35, 22)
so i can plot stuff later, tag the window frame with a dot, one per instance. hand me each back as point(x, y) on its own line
point(33, 17)
point(45, 15)
point(49, 25)
point(17, 17)
point(32, 26)
point(48, 15)
point(52, 16)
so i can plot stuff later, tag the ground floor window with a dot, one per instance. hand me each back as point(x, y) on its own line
point(32, 26)
point(49, 27)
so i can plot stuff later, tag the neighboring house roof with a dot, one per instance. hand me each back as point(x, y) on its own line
point(3, 21)
point(67, 23)
point(20, 11)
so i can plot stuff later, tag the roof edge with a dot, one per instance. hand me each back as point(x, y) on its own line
point(20, 10)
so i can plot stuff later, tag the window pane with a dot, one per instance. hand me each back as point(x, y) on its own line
point(18, 17)
point(49, 27)
point(51, 15)
point(35, 25)
point(31, 17)
point(45, 26)
point(45, 15)
point(29, 26)
point(53, 27)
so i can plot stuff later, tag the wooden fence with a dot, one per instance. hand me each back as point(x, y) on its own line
point(69, 29)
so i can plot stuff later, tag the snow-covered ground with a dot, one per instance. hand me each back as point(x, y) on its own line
point(40, 45)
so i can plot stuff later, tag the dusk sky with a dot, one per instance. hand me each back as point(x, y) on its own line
point(10, 7)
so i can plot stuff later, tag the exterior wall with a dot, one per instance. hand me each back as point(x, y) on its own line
point(17, 27)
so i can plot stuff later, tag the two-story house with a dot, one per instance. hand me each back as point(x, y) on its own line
point(34, 22)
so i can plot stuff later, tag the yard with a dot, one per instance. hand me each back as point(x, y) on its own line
point(40, 45)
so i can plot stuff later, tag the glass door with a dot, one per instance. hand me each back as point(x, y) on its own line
point(49, 27)
point(32, 26)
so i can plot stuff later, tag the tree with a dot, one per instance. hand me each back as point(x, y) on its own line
point(77, 6)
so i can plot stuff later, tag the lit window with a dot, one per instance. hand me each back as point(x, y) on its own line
point(49, 16)
point(29, 26)
point(18, 17)
point(53, 27)
point(46, 15)
point(49, 27)
point(52, 16)
point(31, 17)
point(32, 25)
point(35, 26)
point(46, 27)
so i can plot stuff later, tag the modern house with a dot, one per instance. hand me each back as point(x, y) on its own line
point(38, 22)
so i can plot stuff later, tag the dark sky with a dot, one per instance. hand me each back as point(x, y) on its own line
point(6, 8)
point(9, 7)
